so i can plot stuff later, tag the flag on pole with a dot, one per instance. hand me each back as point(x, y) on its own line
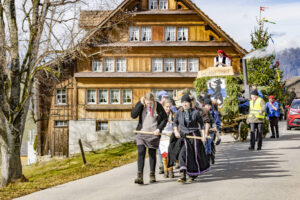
point(268, 21)
point(263, 8)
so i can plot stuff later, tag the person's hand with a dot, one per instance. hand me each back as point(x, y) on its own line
point(143, 100)
point(156, 132)
point(177, 134)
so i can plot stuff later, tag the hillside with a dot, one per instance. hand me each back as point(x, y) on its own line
point(290, 62)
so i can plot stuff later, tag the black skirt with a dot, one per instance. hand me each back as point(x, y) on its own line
point(190, 153)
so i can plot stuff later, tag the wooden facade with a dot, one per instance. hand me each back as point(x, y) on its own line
point(138, 58)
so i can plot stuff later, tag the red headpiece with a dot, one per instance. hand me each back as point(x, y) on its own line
point(222, 52)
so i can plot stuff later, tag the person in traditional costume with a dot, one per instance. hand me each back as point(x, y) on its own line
point(191, 152)
point(152, 118)
point(222, 60)
point(165, 140)
point(209, 146)
point(162, 96)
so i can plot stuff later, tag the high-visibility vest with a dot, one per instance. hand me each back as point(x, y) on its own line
point(256, 108)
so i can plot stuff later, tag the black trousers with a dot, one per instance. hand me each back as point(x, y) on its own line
point(141, 158)
point(259, 128)
point(274, 126)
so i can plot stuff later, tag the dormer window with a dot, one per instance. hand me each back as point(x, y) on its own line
point(163, 4)
point(182, 34)
point(153, 4)
point(146, 34)
point(170, 33)
point(134, 33)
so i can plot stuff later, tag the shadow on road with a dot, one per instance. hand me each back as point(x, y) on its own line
point(235, 162)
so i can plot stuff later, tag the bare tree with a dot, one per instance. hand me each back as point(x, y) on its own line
point(29, 37)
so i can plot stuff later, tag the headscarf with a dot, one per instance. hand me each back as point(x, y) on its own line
point(222, 52)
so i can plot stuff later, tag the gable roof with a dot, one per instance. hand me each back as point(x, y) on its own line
point(200, 13)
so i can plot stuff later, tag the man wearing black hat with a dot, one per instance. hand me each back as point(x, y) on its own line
point(256, 119)
point(192, 157)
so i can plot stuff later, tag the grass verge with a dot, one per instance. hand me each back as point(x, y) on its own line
point(56, 172)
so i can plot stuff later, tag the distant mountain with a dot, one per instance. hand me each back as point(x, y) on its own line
point(290, 62)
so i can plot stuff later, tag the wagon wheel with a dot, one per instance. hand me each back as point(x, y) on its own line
point(243, 131)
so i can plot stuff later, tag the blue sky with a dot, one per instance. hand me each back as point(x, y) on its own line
point(238, 18)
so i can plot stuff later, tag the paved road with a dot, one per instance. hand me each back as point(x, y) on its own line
point(273, 173)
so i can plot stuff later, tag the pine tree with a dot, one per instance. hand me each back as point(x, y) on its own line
point(265, 72)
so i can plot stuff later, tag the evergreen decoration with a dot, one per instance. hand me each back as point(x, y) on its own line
point(265, 72)
point(229, 109)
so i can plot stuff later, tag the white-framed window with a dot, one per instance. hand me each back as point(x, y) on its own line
point(134, 33)
point(115, 96)
point(193, 65)
point(127, 96)
point(121, 65)
point(103, 96)
point(153, 4)
point(61, 123)
point(61, 96)
point(157, 64)
point(91, 96)
point(182, 33)
point(109, 64)
point(169, 64)
point(146, 33)
point(170, 33)
point(181, 65)
point(163, 4)
point(97, 66)
point(102, 126)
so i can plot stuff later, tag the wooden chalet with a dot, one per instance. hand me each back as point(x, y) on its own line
point(162, 47)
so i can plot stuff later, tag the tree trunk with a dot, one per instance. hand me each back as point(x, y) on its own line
point(11, 166)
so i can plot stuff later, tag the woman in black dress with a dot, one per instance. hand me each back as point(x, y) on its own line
point(191, 152)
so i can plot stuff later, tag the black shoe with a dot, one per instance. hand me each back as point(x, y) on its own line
point(218, 141)
point(212, 159)
point(258, 148)
point(277, 136)
point(208, 158)
point(182, 178)
point(191, 179)
point(272, 136)
point(251, 148)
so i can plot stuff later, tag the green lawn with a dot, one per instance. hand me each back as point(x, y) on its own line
point(55, 172)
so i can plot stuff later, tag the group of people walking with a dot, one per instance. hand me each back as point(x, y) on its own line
point(183, 135)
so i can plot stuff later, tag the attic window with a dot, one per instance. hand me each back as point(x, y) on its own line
point(212, 38)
